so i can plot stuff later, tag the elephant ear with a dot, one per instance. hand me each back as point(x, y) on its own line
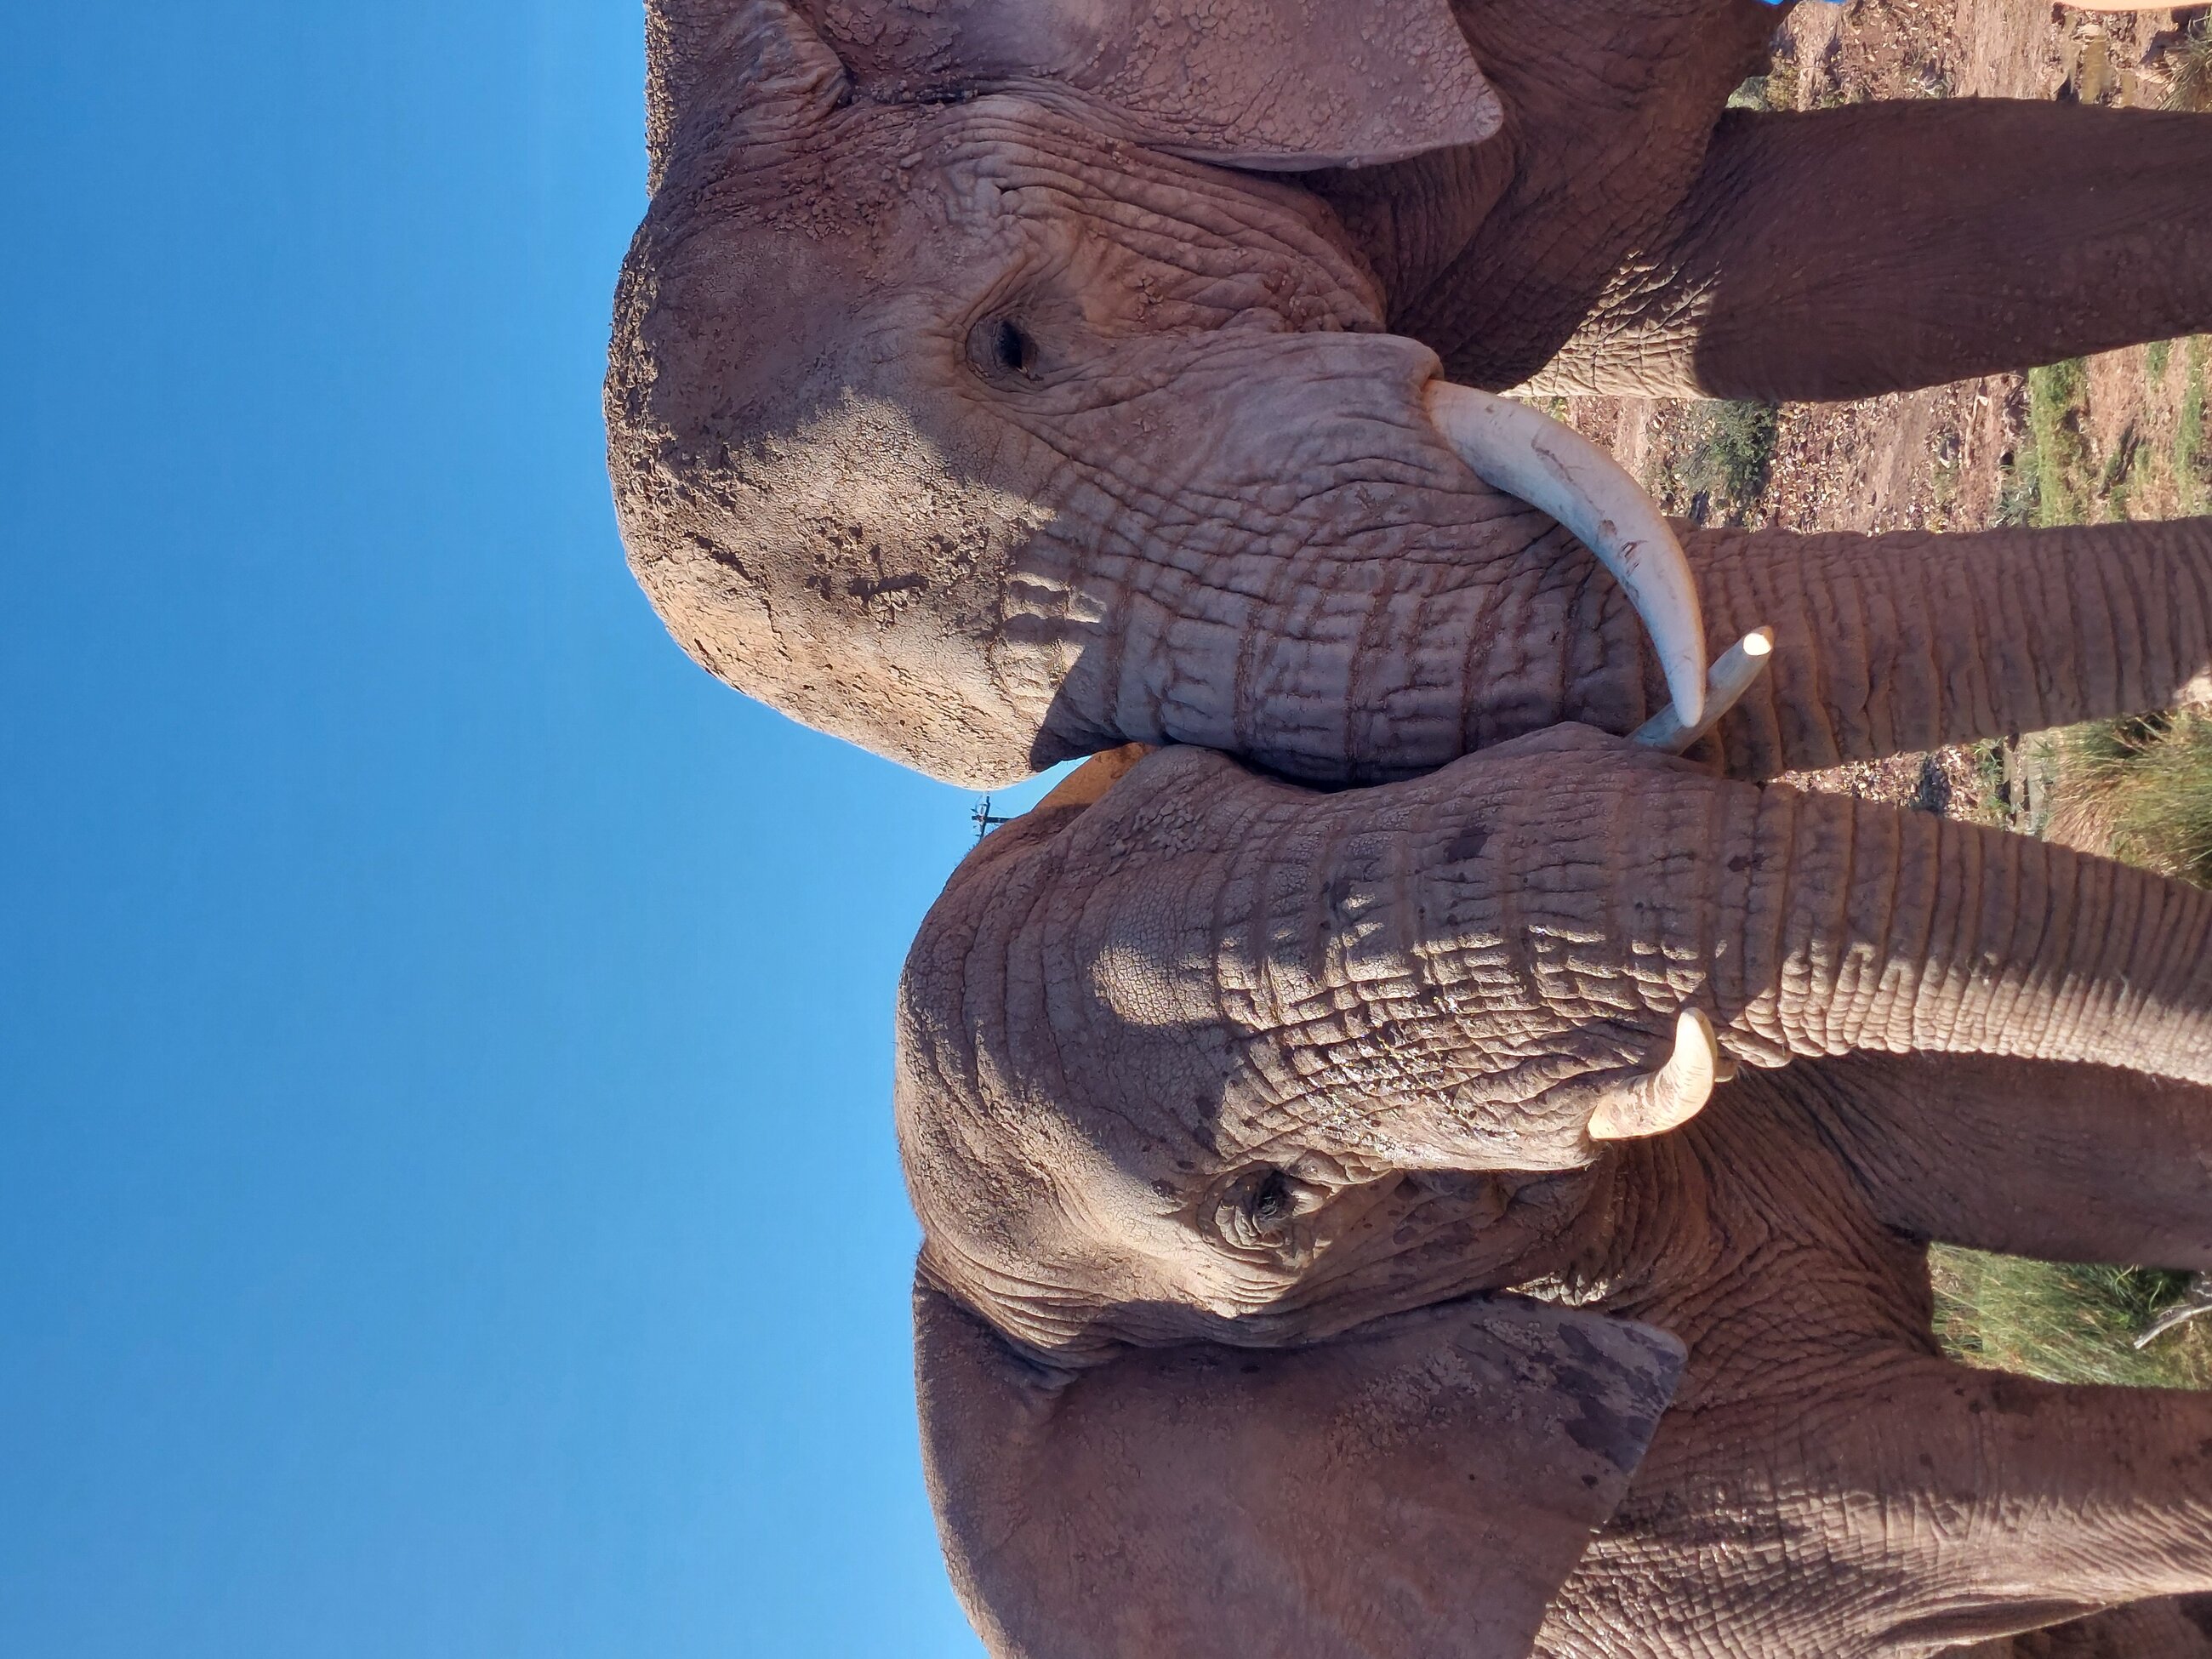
point(1420, 1488)
point(1277, 84)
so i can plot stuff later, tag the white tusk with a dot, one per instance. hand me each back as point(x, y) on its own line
point(1555, 469)
point(1732, 676)
point(1670, 1097)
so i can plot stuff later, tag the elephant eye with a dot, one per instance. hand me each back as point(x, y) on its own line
point(1002, 350)
point(1272, 1202)
point(1259, 1208)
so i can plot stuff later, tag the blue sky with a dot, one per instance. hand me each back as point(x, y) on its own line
point(447, 1200)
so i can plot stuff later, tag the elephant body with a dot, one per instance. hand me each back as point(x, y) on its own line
point(1825, 1481)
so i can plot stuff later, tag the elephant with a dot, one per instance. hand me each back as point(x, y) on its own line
point(1486, 1214)
point(994, 382)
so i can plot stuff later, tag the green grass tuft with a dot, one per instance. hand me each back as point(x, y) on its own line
point(2156, 355)
point(2065, 1323)
point(2146, 783)
point(2065, 470)
point(2191, 88)
point(2189, 434)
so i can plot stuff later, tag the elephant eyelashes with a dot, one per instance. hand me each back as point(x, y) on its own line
point(1271, 1204)
point(1257, 1210)
point(1002, 350)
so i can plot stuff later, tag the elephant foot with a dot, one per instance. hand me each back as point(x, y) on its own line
point(2195, 1300)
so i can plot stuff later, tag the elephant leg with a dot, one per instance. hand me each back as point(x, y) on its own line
point(1910, 1505)
point(1881, 247)
point(2062, 1161)
point(1890, 643)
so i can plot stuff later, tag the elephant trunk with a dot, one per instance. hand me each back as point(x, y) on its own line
point(1533, 922)
point(1883, 644)
point(1839, 925)
point(1891, 643)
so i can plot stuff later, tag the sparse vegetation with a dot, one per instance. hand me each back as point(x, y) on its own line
point(1777, 89)
point(1947, 471)
point(1931, 81)
point(2138, 789)
point(1732, 455)
point(2189, 70)
point(2059, 472)
point(2112, 481)
point(1993, 779)
point(2017, 486)
point(2189, 434)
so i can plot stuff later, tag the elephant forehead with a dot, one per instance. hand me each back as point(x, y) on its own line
point(1211, 242)
point(906, 198)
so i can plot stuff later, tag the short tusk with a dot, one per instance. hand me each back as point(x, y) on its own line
point(1732, 676)
point(1555, 469)
point(1670, 1097)
point(1088, 783)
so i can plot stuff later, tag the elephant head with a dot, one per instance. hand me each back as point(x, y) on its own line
point(964, 402)
point(991, 384)
point(1200, 1073)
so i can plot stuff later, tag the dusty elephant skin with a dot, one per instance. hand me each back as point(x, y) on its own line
point(992, 383)
point(1224, 1103)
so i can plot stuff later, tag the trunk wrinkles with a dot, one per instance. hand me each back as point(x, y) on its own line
point(1437, 944)
point(1886, 644)
point(1406, 657)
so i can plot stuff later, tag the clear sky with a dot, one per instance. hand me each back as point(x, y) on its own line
point(448, 1197)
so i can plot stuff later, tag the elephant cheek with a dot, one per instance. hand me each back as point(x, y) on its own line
point(856, 680)
point(854, 576)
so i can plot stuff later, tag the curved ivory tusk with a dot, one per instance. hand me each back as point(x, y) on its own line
point(1741, 664)
point(1555, 469)
point(1670, 1097)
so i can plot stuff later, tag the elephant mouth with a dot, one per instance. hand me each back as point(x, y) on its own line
point(1554, 468)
